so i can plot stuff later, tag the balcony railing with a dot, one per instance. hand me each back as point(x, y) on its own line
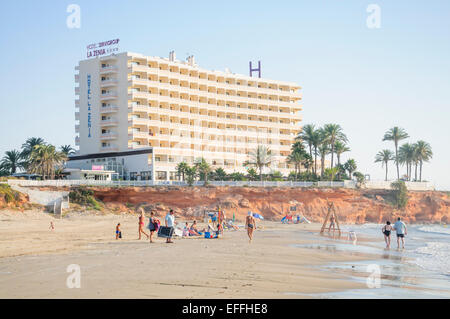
point(109, 109)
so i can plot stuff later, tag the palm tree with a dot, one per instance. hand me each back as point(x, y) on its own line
point(424, 154)
point(307, 135)
point(384, 157)
point(350, 166)
point(67, 149)
point(260, 158)
point(334, 133)
point(203, 168)
point(181, 169)
point(12, 161)
point(339, 148)
point(396, 134)
point(406, 156)
point(316, 140)
point(29, 145)
point(191, 173)
point(296, 158)
point(220, 174)
point(44, 159)
point(324, 150)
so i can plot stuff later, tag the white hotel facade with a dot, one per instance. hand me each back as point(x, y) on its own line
point(143, 115)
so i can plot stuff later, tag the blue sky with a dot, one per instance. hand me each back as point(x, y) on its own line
point(367, 80)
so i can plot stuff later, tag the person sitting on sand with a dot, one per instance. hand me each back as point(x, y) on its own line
point(193, 230)
point(141, 224)
point(401, 231)
point(231, 225)
point(387, 233)
point(250, 224)
point(118, 231)
point(153, 225)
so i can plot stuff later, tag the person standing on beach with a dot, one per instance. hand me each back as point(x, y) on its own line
point(387, 233)
point(250, 224)
point(332, 223)
point(141, 224)
point(401, 231)
point(118, 232)
point(170, 222)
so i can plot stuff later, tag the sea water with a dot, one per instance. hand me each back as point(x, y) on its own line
point(421, 270)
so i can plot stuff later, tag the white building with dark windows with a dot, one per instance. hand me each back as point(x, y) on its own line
point(141, 115)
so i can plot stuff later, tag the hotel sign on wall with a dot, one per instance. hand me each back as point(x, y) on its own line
point(102, 48)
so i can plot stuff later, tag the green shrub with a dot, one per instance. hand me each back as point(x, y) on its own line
point(84, 196)
point(400, 193)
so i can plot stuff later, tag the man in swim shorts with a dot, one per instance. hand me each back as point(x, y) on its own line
point(401, 231)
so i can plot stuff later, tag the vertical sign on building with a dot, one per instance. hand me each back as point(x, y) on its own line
point(89, 104)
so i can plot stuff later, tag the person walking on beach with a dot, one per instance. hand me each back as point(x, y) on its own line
point(250, 224)
point(387, 233)
point(118, 232)
point(170, 222)
point(153, 225)
point(332, 223)
point(401, 231)
point(141, 224)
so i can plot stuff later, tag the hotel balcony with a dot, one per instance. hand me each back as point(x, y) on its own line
point(77, 140)
point(77, 128)
point(109, 69)
point(77, 78)
point(109, 122)
point(109, 82)
point(109, 148)
point(138, 135)
point(77, 90)
point(138, 108)
point(108, 136)
point(108, 96)
point(77, 116)
point(109, 109)
point(140, 121)
point(77, 103)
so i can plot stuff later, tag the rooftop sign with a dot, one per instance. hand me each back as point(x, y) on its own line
point(102, 48)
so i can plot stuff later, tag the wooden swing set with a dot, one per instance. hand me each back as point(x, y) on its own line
point(331, 213)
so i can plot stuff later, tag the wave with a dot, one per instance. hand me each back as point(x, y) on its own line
point(434, 256)
point(438, 229)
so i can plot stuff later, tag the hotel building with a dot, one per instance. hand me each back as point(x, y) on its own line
point(167, 111)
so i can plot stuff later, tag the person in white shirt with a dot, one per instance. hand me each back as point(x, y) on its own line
point(400, 229)
point(170, 222)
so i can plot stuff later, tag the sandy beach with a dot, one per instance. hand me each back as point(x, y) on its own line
point(34, 260)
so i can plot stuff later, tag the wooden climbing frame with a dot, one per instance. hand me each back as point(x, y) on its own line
point(331, 212)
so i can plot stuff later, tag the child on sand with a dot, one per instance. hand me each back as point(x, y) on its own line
point(118, 232)
point(52, 226)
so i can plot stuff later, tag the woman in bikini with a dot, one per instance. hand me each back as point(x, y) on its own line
point(387, 233)
point(250, 224)
point(153, 225)
point(141, 224)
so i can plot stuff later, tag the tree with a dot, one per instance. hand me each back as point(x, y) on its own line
point(29, 145)
point(383, 157)
point(44, 159)
point(220, 174)
point(260, 158)
point(181, 169)
point(191, 174)
point(67, 149)
point(252, 174)
point(406, 156)
point(236, 176)
point(203, 169)
point(350, 166)
point(360, 179)
point(424, 154)
point(298, 157)
point(339, 148)
point(396, 134)
point(307, 135)
point(12, 161)
point(400, 194)
point(333, 133)
point(276, 176)
point(323, 150)
point(316, 140)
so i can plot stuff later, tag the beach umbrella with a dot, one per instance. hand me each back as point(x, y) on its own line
point(258, 216)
